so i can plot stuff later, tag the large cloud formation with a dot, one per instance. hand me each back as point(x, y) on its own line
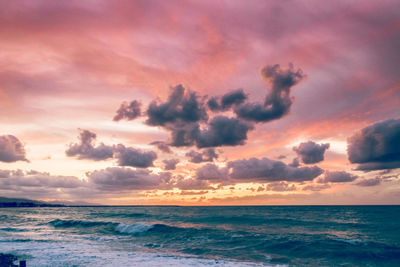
point(184, 113)
point(311, 152)
point(376, 147)
point(278, 101)
point(85, 149)
point(11, 149)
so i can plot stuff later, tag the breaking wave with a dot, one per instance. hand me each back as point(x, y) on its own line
point(120, 228)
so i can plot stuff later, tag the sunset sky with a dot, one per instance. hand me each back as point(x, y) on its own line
point(200, 102)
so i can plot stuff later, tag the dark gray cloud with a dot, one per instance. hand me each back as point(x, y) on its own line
point(310, 152)
point(212, 173)
point(162, 146)
point(370, 182)
point(295, 163)
point(213, 104)
point(376, 147)
point(183, 134)
point(180, 115)
point(207, 155)
point(86, 149)
point(337, 177)
point(373, 166)
point(128, 111)
point(195, 157)
point(183, 106)
point(11, 149)
point(170, 164)
point(280, 187)
point(228, 100)
point(184, 114)
point(220, 131)
point(278, 101)
point(223, 131)
point(128, 156)
point(120, 179)
point(265, 169)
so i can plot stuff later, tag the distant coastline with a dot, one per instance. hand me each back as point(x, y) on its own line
point(24, 203)
point(29, 203)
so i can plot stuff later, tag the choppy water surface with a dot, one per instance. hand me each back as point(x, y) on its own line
point(203, 236)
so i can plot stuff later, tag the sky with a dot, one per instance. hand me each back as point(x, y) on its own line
point(200, 102)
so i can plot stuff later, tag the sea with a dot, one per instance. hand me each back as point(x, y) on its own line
point(203, 236)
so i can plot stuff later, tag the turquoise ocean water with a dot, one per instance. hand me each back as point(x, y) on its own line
point(203, 236)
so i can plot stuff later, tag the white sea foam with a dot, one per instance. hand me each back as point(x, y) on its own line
point(95, 254)
point(132, 228)
point(350, 241)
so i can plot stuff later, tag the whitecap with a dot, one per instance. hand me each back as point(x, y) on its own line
point(132, 228)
